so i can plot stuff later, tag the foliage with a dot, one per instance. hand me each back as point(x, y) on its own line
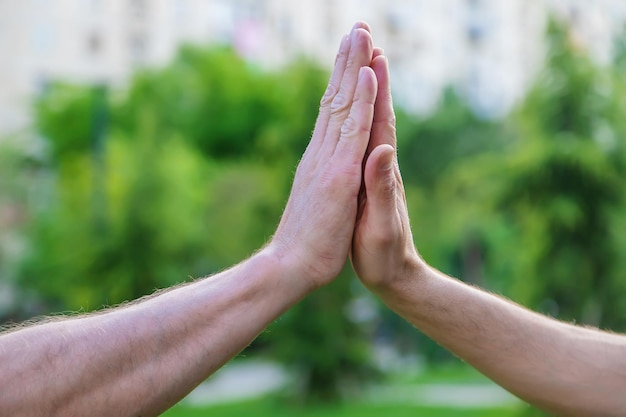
point(225, 107)
point(564, 188)
point(15, 170)
point(82, 258)
point(198, 89)
point(431, 146)
point(66, 115)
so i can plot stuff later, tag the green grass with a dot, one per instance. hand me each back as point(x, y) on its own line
point(454, 372)
point(275, 406)
point(272, 408)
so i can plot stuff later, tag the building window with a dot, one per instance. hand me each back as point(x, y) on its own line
point(138, 45)
point(94, 44)
point(44, 38)
point(138, 9)
point(475, 33)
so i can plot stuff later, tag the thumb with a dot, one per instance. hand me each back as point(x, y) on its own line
point(380, 185)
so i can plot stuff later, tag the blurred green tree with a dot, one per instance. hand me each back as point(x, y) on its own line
point(150, 236)
point(564, 189)
point(64, 115)
point(430, 146)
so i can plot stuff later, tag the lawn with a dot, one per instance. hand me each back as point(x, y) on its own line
point(274, 406)
point(271, 408)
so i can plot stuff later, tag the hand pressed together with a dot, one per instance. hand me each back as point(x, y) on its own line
point(330, 215)
point(382, 248)
point(314, 236)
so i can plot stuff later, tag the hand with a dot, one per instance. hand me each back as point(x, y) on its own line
point(314, 236)
point(382, 248)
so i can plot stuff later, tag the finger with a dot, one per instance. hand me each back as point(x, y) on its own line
point(333, 87)
point(363, 25)
point(331, 90)
point(360, 55)
point(356, 129)
point(380, 185)
point(377, 52)
point(384, 125)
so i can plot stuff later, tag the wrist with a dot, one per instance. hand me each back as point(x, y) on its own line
point(409, 271)
point(288, 269)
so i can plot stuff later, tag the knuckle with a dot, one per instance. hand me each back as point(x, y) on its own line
point(388, 190)
point(330, 181)
point(347, 180)
point(328, 96)
point(383, 238)
point(365, 97)
point(351, 61)
point(353, 184)
point(340, 182)
point(342, 54)
point(340, 103)
point(351, 128)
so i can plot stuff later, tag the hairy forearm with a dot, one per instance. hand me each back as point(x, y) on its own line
point(142, 358)
point(564, 369)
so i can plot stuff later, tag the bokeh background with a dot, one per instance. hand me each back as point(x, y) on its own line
point(146, 143)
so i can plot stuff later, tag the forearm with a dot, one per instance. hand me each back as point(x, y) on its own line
point(564, 369)
point(142, 358)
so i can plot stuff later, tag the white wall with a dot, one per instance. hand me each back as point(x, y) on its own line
point(488, 49)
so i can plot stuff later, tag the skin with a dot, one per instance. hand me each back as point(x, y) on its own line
point(140, 359)
point(563, 369)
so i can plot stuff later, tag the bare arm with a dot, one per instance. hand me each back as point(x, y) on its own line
point(564, 369)
point(140, 359)
point(143, 358)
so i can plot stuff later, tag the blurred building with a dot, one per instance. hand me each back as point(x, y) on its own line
point(488, 49)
